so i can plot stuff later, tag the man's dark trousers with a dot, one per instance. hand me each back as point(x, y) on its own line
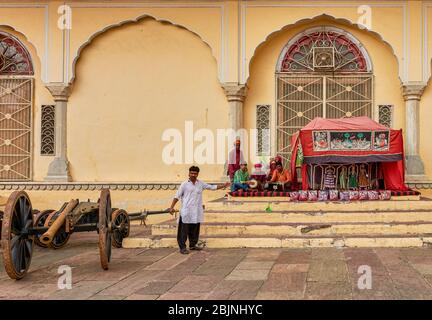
point(186, 230)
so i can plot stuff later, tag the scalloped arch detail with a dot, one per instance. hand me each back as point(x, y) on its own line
point(312, 19)
point(24, 42)
point(128, 21)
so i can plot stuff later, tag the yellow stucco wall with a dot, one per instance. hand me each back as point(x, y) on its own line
point(135, 80)
point(133, 83)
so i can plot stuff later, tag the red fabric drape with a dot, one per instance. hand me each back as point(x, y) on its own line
point(305, 180)
point(393, 171)
point(294, 144)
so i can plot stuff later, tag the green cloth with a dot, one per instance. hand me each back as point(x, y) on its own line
point(352, 182)
point(241, 176)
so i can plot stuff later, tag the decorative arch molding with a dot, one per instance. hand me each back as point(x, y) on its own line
point(14, 56)
point(27, 45)
point(131, 21)
point(355, 56)
point(339, 20)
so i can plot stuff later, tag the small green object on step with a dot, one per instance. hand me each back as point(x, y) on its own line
point(268, 209)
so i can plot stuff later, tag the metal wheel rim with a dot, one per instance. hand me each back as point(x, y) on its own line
point(16, 243)
point(39, 221)
point(61, 237)
point(105, 234)
point(121, 227)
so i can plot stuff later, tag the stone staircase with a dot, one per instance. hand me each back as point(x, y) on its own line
point(276, 223)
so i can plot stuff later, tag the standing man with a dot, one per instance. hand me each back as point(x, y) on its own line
point(192, 212)
point(235, 157)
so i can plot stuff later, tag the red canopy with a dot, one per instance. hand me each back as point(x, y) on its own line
point(351, 140)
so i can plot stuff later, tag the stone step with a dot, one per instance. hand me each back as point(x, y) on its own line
point(300, 229)
point(347, 206)
point(317, 216)
point(274, 241)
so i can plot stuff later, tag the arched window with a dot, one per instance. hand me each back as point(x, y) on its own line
point(16, 102)
point(321, 72)
point(324, 50)
point(14, 57)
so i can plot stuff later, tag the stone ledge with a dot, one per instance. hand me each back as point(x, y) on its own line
point(68, 186)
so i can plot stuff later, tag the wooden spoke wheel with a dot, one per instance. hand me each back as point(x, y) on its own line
point(39, 221)
point(120, 226)
point(104, 227)
point(61, 237)
point(16, 242)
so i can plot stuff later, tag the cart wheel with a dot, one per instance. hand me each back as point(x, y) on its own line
point(16, 242)
point(104, 227)
point(39, 221)
point(120, 226)
point(61, 237)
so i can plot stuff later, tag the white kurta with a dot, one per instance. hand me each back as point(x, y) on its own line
point(191, 199)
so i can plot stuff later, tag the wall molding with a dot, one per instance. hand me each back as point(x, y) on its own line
point(403, 63)
point(45, 57)
point(68, 186)
point(426, 61)
point(124, 186)
point(221, 62)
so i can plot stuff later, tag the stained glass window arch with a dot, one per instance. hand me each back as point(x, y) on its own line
point(14, 57)
point(324, 49)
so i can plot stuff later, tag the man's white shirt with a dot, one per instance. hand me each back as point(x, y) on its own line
point(191, 200)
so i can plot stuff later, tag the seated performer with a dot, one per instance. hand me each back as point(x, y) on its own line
point(258, 175)
point(281, 177)
point(272, 168)
point(241, 179)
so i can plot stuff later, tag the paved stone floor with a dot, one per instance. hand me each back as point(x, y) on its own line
point(324, 273)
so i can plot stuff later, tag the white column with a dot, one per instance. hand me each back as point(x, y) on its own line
point(58, 169)
point(414, 165)
point(236, 94)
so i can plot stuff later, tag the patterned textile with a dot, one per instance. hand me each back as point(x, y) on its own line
point(303, 195)
point(385, 195)
point(294, 195)
point(329, 181)
point(373, 195)
point(363, 195)
point(334, 195)
point(406, 193)
point(323, 195)
point(353, 195)
point(312, 195)
point(344, 195)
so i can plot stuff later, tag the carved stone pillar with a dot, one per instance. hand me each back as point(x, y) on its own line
point(236, 94)
point(414, 165)
point(58, 169)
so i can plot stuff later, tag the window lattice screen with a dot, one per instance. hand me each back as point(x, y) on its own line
point(15, 128)
point(385, 115)
point(302, 97)
point(48, 130)
point(263, 127)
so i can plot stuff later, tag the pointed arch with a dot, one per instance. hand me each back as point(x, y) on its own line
point(345, 52)
point(15, 59)
point(329, 18)
point(129, 21)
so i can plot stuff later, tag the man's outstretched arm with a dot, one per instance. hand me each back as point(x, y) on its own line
point(171, 209)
